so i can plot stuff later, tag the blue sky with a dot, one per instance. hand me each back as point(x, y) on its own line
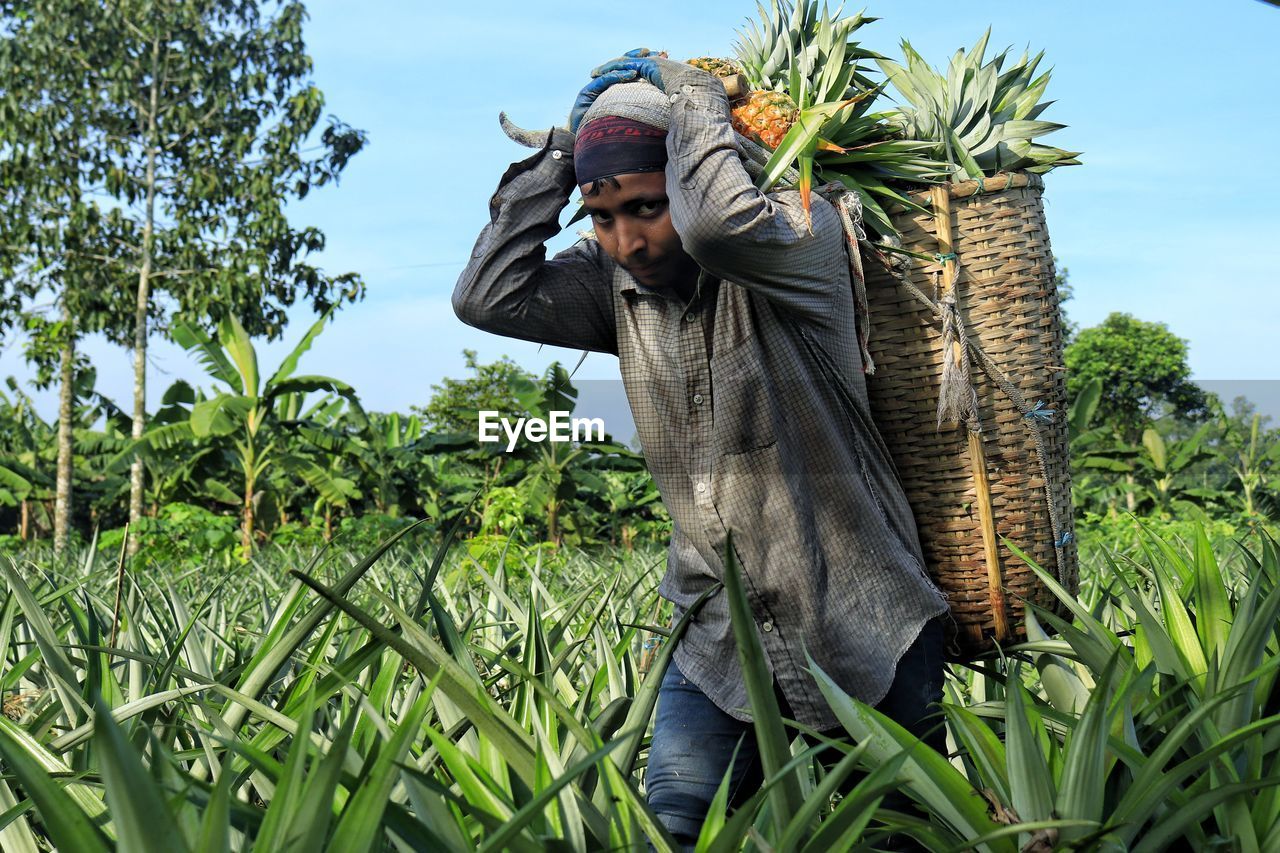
point(1172, 217)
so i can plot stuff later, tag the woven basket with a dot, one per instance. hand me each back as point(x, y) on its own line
point(994, 258)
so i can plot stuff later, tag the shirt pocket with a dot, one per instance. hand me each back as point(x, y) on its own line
point(745, 414)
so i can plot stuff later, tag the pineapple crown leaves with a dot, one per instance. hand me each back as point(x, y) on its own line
point(980, 118)
point(804, 50)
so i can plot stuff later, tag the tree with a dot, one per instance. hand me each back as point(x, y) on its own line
point(454, 403)
point(190, 119)
point(1143, 371)
point(59, 249)
point(1066, 292)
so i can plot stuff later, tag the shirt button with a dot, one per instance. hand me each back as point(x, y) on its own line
point(689, 318)
point(556, 155)
point(675, 97)
point(702, 487)
point(768, 627)
point(697, 398)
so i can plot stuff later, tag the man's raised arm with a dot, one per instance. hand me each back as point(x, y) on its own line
point(510, 288)
point(732, 229)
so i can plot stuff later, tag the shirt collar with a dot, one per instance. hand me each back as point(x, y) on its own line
point(628, 284)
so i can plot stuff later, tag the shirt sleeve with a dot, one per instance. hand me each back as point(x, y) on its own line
point(732, 229)
point(510, 288)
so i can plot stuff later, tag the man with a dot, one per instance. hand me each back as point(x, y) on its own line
point(734, 326)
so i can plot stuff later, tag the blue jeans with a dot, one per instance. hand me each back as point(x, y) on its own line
point(694, 741)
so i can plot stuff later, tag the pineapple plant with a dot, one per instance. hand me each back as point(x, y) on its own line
point(808, 106)
point(979, 118)
point(794, 58)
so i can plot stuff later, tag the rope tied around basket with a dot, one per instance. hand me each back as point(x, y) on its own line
point(849, 206)
point(957, 398)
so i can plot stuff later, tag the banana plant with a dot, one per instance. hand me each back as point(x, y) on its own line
point(554, 470)
point(250, 414)
point(28, 452)
point(386, 453)
point(1254, 462)
point(25, 460)
point(1162, 472)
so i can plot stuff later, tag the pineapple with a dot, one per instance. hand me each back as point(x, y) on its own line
point(714, 66)
point(795, 35)
point(766, 116)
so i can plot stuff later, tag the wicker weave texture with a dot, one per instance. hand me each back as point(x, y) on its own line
point(1008, 300)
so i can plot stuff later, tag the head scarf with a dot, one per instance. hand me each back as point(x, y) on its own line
point(624, 131)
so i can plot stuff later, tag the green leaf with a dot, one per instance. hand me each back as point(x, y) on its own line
point(65, 682)
point(984, 749)
point(646, 699)
point(284, 637)
point(239, 346)
point(221, 415)
point(210, 355)
point(1030, 781)
point(1082, 787)
point(1181, 632)
point(417, 647)
point(138, 807)
point(70, 828)
point(1177, 821)
point(215, 826)
point(290, 362)
point(1213, 608)
point(929, 777)
point(1155, 446)
point(771, 734)
point(802, 136)
point(533, 809)
point(1084, 406)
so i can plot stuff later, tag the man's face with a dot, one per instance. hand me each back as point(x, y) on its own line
point(633, 224)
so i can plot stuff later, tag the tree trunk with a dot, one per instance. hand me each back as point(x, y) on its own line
point(1130, 501)
point(328, 523)
point(66, 404)
point(144, 299)
point(24, 525)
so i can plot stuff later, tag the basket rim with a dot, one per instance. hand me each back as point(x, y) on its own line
point(997, 183)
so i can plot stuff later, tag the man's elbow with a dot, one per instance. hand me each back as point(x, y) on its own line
point(469, 309)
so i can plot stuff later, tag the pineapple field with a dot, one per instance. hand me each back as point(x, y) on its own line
point(272, 607)
point(498, 699)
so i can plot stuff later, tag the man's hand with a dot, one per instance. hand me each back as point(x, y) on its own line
point(592, 90)
point(658, 70)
